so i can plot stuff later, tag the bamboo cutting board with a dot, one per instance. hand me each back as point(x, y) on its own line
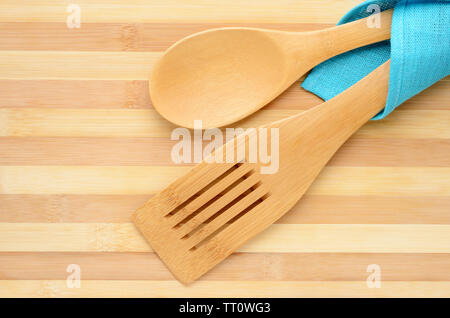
point(81, 148)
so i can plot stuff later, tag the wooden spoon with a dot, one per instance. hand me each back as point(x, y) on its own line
point(223, 75)
point(204, 216)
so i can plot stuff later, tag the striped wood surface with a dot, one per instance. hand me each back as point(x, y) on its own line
point(81, 147)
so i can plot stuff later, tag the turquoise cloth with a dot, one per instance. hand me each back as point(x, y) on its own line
point(419, 50)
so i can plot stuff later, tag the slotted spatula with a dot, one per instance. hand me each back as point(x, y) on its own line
point(204, 216)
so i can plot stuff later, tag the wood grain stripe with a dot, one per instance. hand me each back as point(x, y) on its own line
point(134, 94)
point(116, 36)
point(74, 94)
point(332, 209)
point(387, 181)
point(311, 209)
point(56, 65)
point(239, 266)
point(248, 289)
point(87, 179)
point(278, 238)
point(147, 123)
point(113, 94)
point(83, 122)
point(173, 11)
point(418, 123)
point(124, 151)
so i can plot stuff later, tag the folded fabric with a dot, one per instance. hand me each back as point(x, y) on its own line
point(419, 50)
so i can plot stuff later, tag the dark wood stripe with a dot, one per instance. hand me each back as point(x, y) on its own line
point(111, 94)
point(74, 94)
point(358, 151)
point(369, 210)
point(115, 36)
point(134, 94)
point(239, 266)
point(309, 210)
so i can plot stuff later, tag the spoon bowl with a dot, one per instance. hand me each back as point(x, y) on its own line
point(241, 70)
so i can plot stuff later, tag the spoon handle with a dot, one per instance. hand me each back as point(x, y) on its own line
point(333, 41)
point(345, 37)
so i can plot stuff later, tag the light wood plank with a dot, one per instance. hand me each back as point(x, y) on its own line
point(147, 123)
point(83, 122)
point(354, 238)
point(69, 208)
point(124, 151)
point(279, 238)
point(71, 237)
point(239, 266)
point(284, 11)
point(56, 65)
point(387, 181)
point(87, 179)
point(101, 288)
point(311, 209)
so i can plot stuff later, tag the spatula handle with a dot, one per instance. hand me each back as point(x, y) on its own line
point(363, 100)
point(334, 121)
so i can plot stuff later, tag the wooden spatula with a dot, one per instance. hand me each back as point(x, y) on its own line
point(223, 75)
point(204, 216)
